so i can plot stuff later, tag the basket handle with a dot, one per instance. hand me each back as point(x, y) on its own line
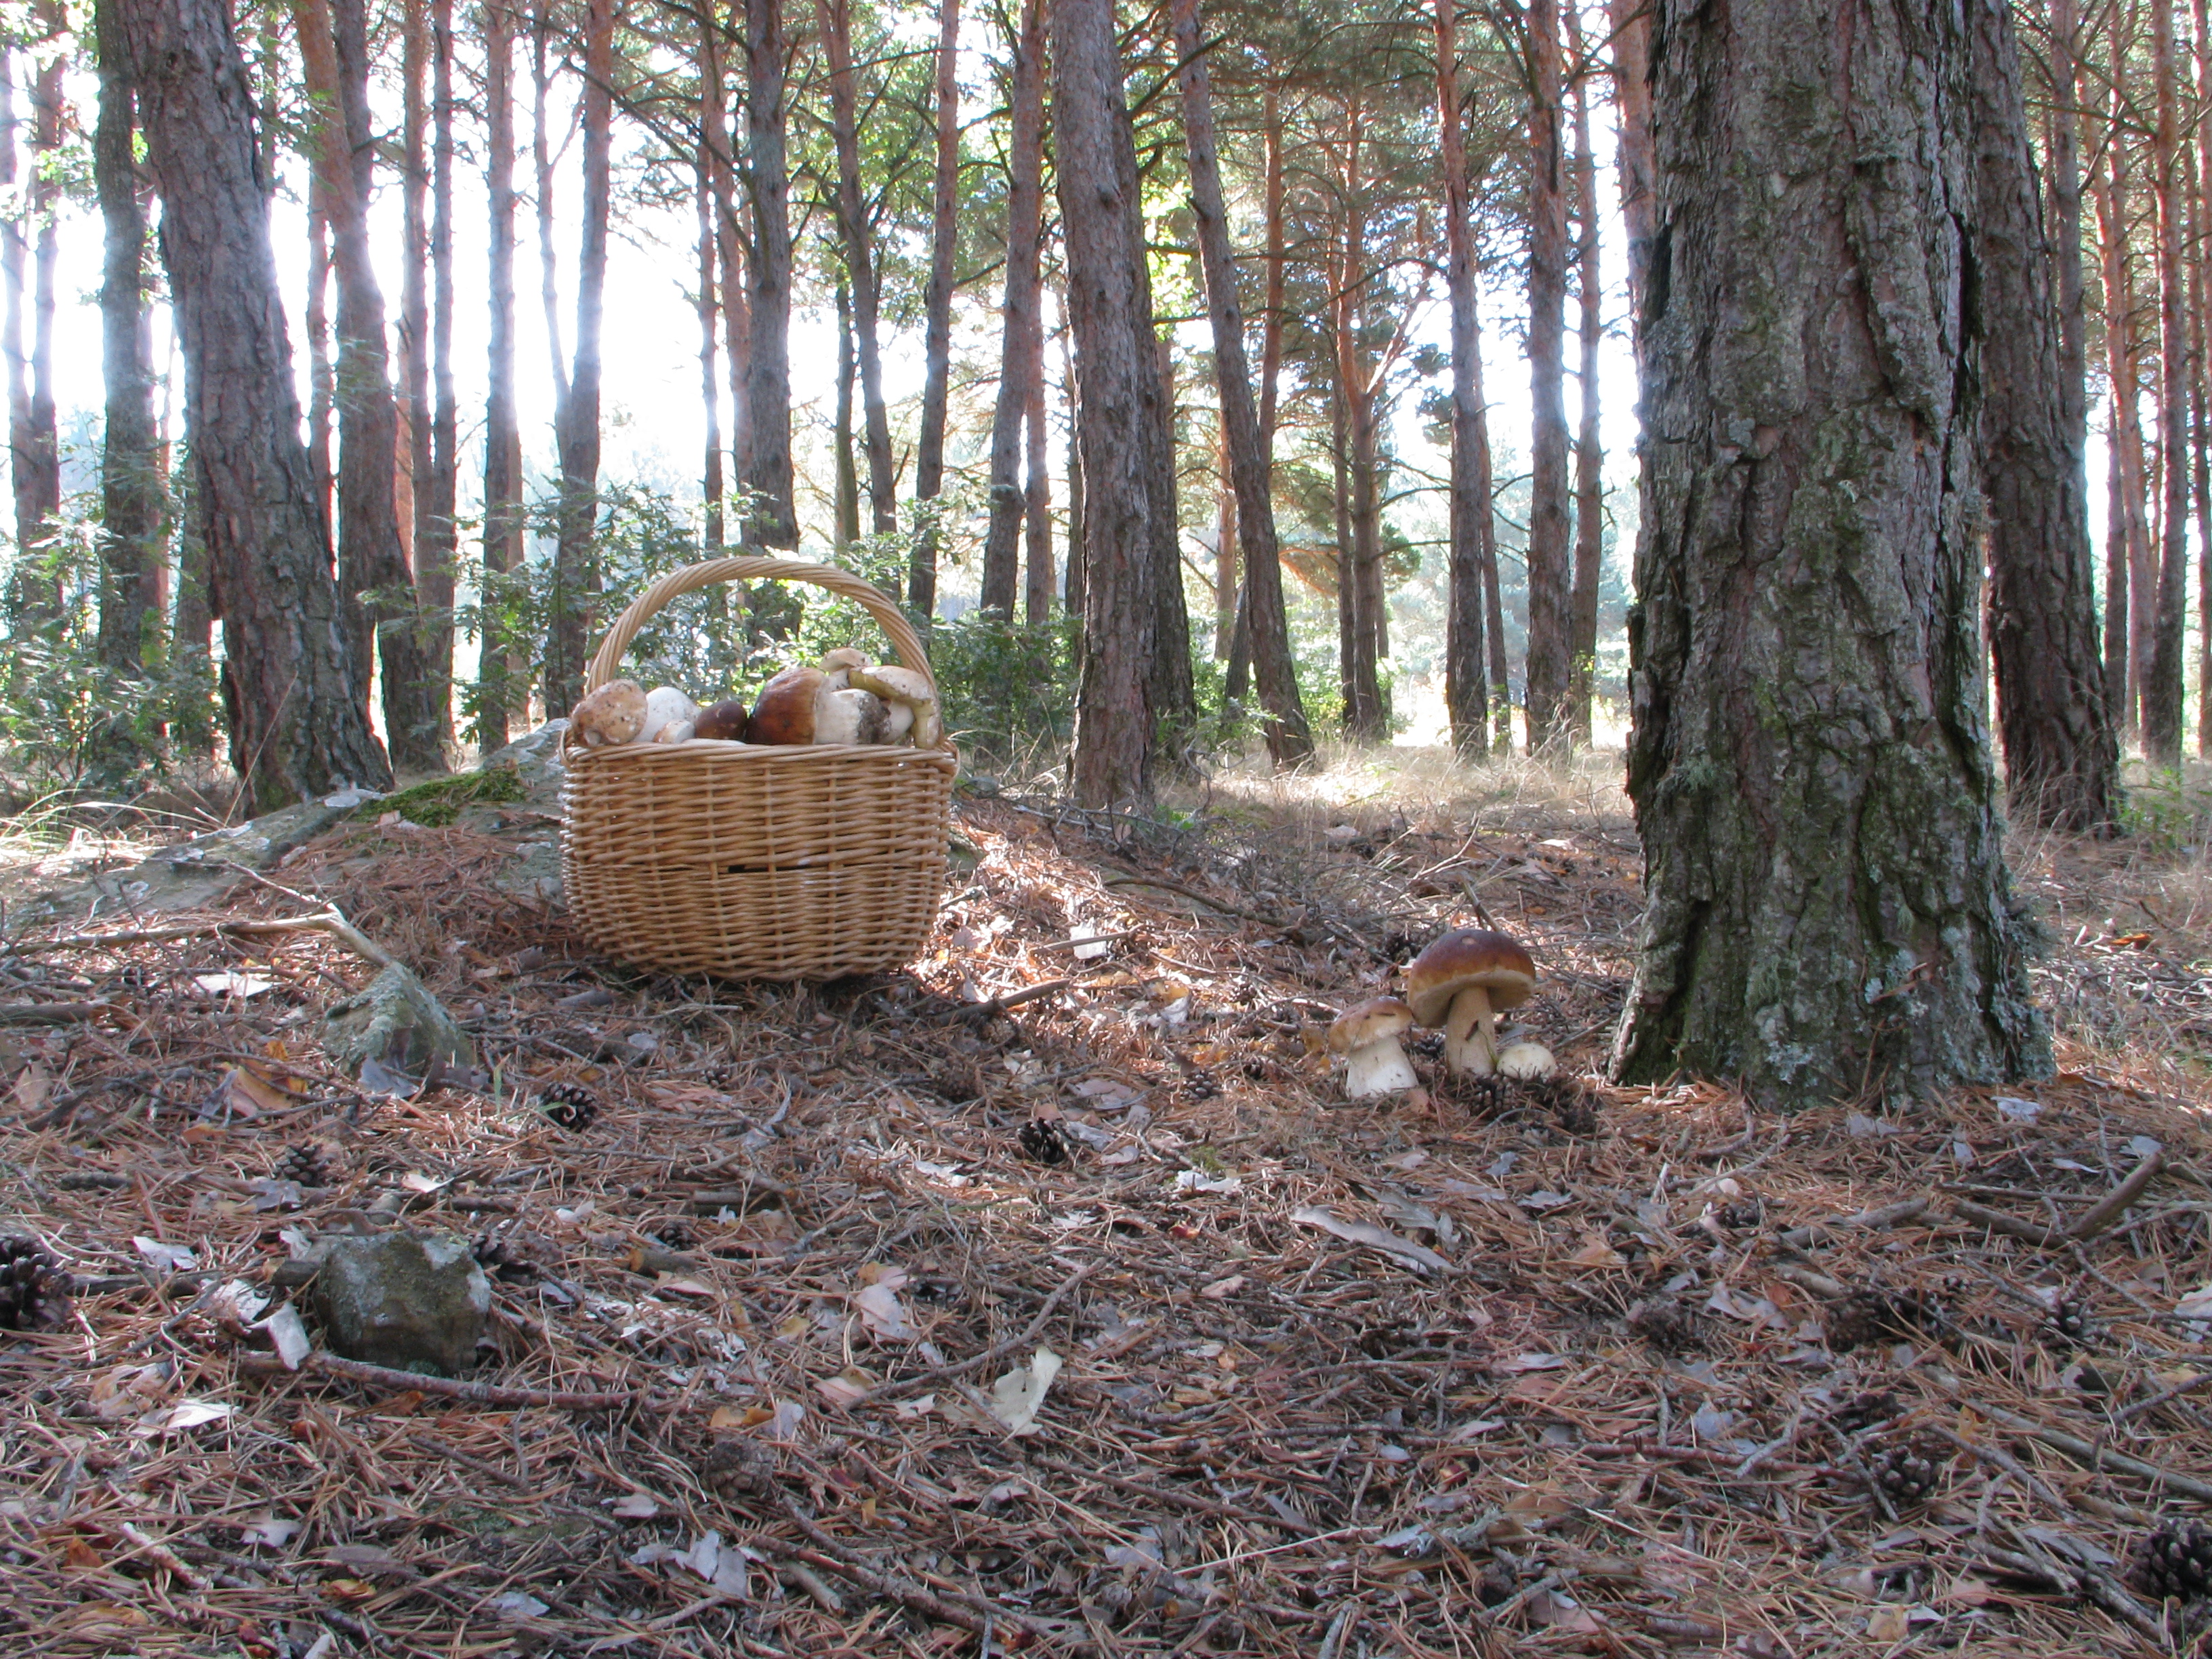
point(607, 662)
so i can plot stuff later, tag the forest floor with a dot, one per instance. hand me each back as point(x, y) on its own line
point(1576, 1368)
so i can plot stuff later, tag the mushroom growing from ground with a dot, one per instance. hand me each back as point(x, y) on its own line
point(903, 688)
point(670, 716)
point(1527, 1061)
point(803, 705)
point(1460, 982)
point(1367, 1036)
point(614, 714)
point(724, 721)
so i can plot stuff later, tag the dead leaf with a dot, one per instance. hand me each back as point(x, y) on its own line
point(32, 1087)
point(1888, 1623)
point(739, 1417)
point(1221, 1289)
point(80, 1556)
point(249, 1094)
point(1019, 1396)
point(882, 1313)
point(1596, 1253)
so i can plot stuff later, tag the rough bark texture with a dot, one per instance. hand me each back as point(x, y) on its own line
point(1111, 312)
point(848, 506)
point(937, 304)
point(852, 237)
point(436, 535)
point(1289, 741)
point(2061, 758)
point(1550, 648)
point(499, 694)
point(132, 557)
point(296, 726)
point(576, 560)
point(1174, 695)
point(2162, 680)
point(1022, 325)
point(1037, 582)
point(2201, 450)
point(1829, 909)
point(1466, 693)
point(709, 315)
point(766, 465)
point(1589, 454)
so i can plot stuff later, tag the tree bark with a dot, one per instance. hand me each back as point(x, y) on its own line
point(835, 19)
point(575, 558)
point(1074, 600)
point(43, 198)
point(436, 497)
point(709, 314)
point(34, 601)
point(1289, 740)
point(501, 694)
point(1632, 91)
point(2061, 758)
point(1829, 911)
point(1174, 695)
point(1022, 327)
point(541, 158)
point(133, 560)
point(2200, 17)
point(1550, 648)
point(333, 36)
point(937, 310)
point(2162, 682)
point(1118, 411)
point(1589, 455)
point(847, 507)
point(2126, 533)
point(296, 726)
point(1357, 447)
point(1037, 498)
point(1466, 697)
point(766, 456)
point(322, 373)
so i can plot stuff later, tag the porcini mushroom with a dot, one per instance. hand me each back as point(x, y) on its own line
point(1460, 982)
point(724, 721)
point(670, 716)
point(910, 689)
point(1529, 1062)
point(851, 716)
point(839, 664)
point(1367, 1036)
point(803, 705)
point(614, 714)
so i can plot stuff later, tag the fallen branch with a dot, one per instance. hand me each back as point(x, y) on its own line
point(2095, 1455)
point(332, 921)
point(1997, 1221)
point(1889, 1215)
point(2108, 1209)
point(1264, 920)
point(1170, 1495)
point(1005, 999)
point(53, 1013)
point(482, 1393)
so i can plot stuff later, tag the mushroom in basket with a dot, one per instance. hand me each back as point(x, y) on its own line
point(724, 721)
point(670, 716)
point(614, 714)
point(802, 705)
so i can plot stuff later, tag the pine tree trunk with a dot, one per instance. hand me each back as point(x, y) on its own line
point(2201, 449)
point(835, 19)
point(1550, 648)
point(1466, 697)
point(848, 466)
point(575, 559)
point(541, 158)
point(937, 310)
point(1289, 740)
point(1589, 455)
point(1631, 93)
point(1022, 327)
point(296, 726)
point(501, 694)
point(2125, 534)
point(1174, 695)
point(1074, 600)
point(1356, 447)
point(1118, 412)
point(333, 36)
point(323, 377)
point(33, 604)
point(709, 315)
point(44, 197)
point(1829, 911)
point(767, 455)
point(2061, 758)
point(437, 537)
point(1037, 498)
point(133, 560)
point(2162, 682)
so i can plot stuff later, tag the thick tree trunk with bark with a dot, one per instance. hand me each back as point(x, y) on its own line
point(575, 559)
point(766, 463)
point(1466, 692)
point(2161, 696)
point(2061, 758)
point(852, 237)
point(1589, 455)
point(2201, 450)
point(937, 306)
point(1074, 598)
point(709, 314)
point(499, 695)
point(1174, 695)
point(1021, 327)
point(1038, 584)
point(847, 504)
point(296, 726)
point(437, 493)
point(1289, 740)
point(1118, 411)
point(1550, 646)
point(132, 559)
point(1829, 910)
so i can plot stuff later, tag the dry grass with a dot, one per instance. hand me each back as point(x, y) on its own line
point(1623, 1419)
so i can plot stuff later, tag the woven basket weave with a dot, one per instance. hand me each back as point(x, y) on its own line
point(751, 861)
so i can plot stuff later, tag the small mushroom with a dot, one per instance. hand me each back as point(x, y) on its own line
point(670, 716)
point(912, 691)
point(1460, 982)
point(724, 722)
point(1368, 1038)
point(1527, 1061)
point(615, 714)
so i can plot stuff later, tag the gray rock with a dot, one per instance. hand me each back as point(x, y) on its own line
point(535, 759)
point(395, 1023)
point(413, 1301)
point(201, 870)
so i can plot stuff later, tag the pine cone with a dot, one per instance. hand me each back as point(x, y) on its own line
point(2068, 1323)
point(1043, 1141)
point(1744, 1218)
point(2174, 1560)
point(569, 1105)
point(306, 1164)
point(1668, 1324)
point(1198, 1083)
point(1863, 1411)
point(1570, 1103)
point(1867, 1316)
point(676, 1233)
point(34, 1288)
point(1909, 1473)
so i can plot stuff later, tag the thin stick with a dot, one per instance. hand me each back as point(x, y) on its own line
point(1193, 893)
point(53, 1013)
point(1005, 999)
point(2095, 1455)
point(1188, 1500)
point(332, 921)
point(482, 1393)
point(2108, 1209)
point(1889, 1215)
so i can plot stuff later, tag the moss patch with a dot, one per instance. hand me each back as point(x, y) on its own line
point(440, 801)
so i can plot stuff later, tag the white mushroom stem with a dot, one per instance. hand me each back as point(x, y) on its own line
point(1379, 1068)
point(1471, 1033)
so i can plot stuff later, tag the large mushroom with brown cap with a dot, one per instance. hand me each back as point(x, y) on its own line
point(1367, 1036)
point(1460, 982)
point(613, 714)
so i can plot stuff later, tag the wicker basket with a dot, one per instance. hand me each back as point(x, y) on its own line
point(750, 861)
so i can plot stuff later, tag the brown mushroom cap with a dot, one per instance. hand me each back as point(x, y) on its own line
point(724, 721)
point(1468, 957)
point(615, 714)
point(1371, 1022)
point(785, 714)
